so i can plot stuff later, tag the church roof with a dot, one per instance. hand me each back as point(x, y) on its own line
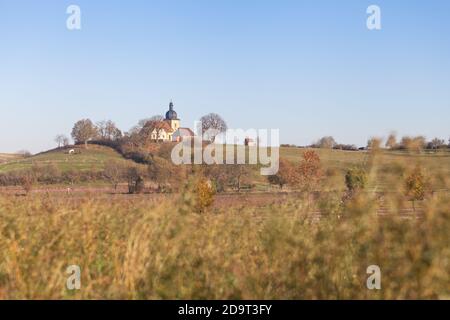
point(158, 125)
point(164, 125)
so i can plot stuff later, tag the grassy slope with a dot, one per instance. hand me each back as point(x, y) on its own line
point(93, 158)
point(337, 161)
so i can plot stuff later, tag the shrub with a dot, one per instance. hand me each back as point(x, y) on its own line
point(286, 174)
point(415, 185)
point(204, 193)
point(309, 170)
point(218, 175)
point(355, 179)
point(165, 174)
point(135, 179)
point(27, 180)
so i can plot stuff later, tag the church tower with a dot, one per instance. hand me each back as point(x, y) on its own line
point(172, 118)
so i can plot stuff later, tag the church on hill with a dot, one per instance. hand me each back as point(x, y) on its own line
point(169, 129)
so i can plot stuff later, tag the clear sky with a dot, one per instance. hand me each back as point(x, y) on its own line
point(310, 68)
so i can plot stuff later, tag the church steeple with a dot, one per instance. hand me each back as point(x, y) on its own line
point(172, 117)
point(171, 114)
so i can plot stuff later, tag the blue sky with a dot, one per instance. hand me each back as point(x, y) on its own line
point(309, 68)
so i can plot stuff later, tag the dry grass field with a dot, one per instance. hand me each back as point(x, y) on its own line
point(6, 157)
point(132, 248)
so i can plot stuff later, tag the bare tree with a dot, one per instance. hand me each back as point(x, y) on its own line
point(108, 130)
point(137, 128)
point(66, 141)
point(60, 139)
point(114, 172)
point(212, 126)
point(436, 143)
point(84, 131)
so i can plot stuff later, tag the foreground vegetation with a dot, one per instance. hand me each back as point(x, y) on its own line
point(350, 210)
point(138, 249)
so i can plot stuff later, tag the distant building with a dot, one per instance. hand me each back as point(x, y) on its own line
point(162, 131)
point(249, 142)
point(169, 129)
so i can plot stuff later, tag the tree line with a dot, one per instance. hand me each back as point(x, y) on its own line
point(415, 143)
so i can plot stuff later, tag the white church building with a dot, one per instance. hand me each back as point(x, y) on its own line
point(169, 129)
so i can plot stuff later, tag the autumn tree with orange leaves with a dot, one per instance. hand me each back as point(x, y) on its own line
point(286, 174)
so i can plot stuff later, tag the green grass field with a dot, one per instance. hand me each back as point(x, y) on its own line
point(93, 158)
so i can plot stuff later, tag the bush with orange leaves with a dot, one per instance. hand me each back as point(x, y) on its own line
point(306, 175)
point(309, 171)
point(286, 174)
point(204, 194)
point(416, 186)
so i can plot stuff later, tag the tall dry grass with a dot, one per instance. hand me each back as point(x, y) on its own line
point(132, 249)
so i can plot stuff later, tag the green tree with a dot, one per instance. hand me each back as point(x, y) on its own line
point(355, 179)
point(84, 131)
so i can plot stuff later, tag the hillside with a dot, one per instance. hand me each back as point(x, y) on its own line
point(390, 167)
point(91, 159)
point(6, 157)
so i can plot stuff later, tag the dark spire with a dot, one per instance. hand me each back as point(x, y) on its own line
point(171, 114)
